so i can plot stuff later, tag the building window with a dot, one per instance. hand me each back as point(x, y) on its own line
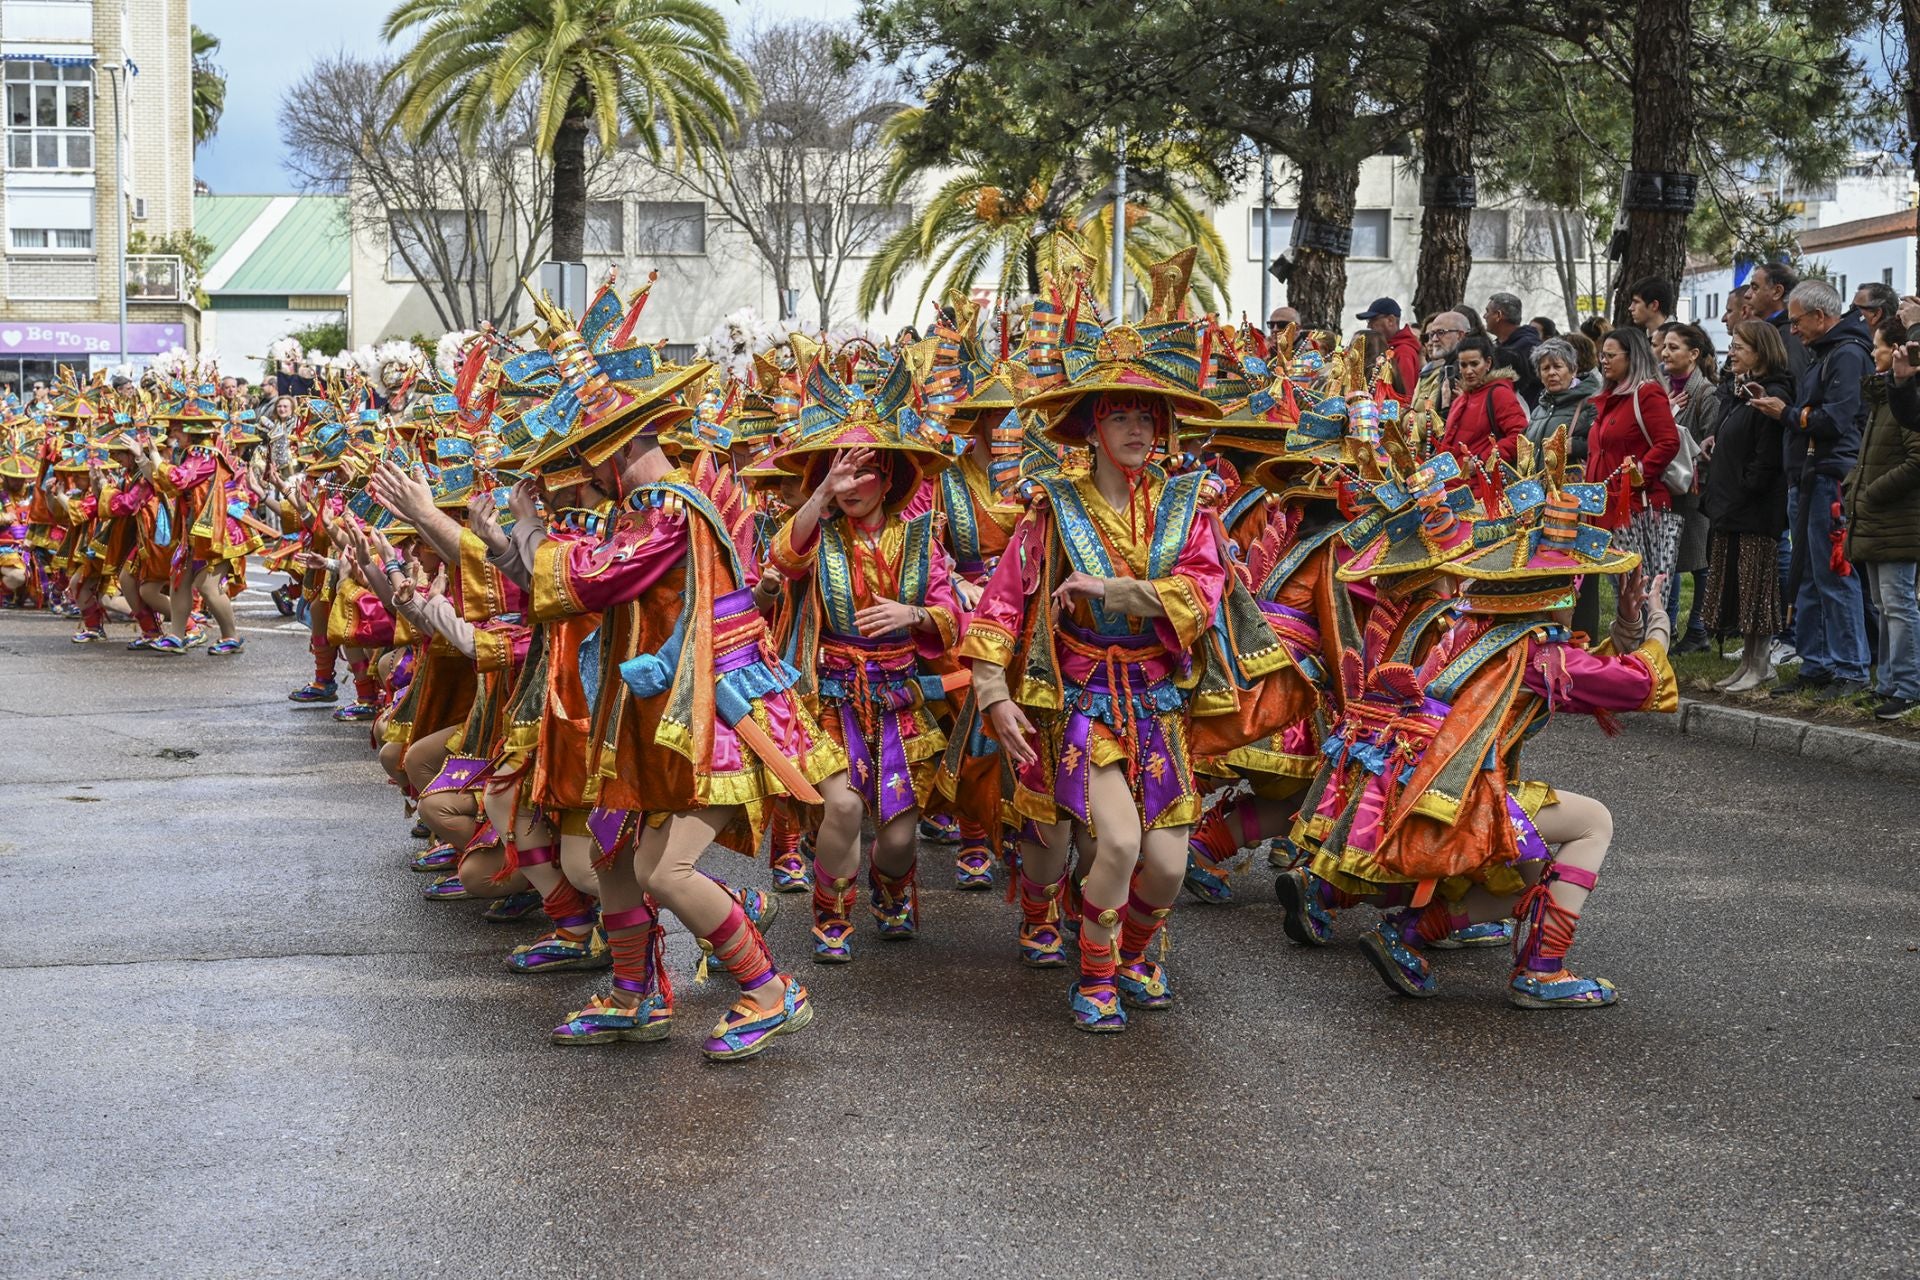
point(1713, 304)
point(1551, 235)
point(431, 238)
point(606, 228)
point(1886, 276)
point(1487, 235)
point(52, 240)
point(49, 116)
point(1278, 238)
point(1840, 287)
point(1372, 233)
point(670, 227)
point(873, 224)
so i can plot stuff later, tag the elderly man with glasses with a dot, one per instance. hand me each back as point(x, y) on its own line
point(1823, 430)
point(1438, 383)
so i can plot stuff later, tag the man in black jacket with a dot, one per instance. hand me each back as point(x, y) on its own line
point(1767, 300)
point(1516, 342)
point(1823, 429)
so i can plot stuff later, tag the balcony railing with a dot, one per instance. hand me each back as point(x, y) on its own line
point(156, 277)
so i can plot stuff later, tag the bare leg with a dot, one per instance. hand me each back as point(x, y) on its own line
point(1583, 829)
point(211, 583)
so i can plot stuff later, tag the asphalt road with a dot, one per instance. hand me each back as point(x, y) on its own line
point(237, 1043)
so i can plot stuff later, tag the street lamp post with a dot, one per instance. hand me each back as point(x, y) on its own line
point(1117, 286)
point(119, 78)
point(1266, 235)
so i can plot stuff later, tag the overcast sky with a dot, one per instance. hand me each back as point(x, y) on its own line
point(265, 47)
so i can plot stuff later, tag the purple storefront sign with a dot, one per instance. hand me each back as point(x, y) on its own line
point(23, 338)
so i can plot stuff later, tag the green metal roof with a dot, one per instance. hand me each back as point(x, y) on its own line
point(221, 219)
point(291, 244)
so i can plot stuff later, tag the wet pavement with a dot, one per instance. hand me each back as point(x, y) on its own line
point(239, 1044)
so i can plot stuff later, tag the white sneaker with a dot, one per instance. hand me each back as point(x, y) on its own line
point(1780, 653)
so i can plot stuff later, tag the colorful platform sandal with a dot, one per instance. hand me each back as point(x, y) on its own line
point(895, 903)
point(939, 828)
point(832, 924)
point(89, 635)
point(1042, 943)
point(355, 711)
point(973, 865)
point(221, 648)
point(1305, 902)
point(569, 947)
point(515, 906)
point(1095, 1005)
point(746, 1029)
point(1491, 933)
point(441, 858)
point(1386, 947)
point(1541, 979)
point(314, 692)
point(445, 889)
point(638, 972)
point(791, 859)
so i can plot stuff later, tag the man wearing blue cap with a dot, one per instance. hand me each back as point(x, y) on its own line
point(1383, 317)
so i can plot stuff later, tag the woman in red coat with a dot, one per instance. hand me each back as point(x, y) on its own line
point(1487, 416)
point(1633, 423)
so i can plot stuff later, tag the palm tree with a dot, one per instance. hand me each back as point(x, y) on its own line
point(209, 86)
point(657, 74)
point(971, 227)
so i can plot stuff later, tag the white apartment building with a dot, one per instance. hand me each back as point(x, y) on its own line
point(1855, 229)
point(709, 269)
point(93, 90)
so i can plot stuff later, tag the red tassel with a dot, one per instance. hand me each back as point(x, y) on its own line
point(1206, 352)
point(1006, 334)
point(1837, 543)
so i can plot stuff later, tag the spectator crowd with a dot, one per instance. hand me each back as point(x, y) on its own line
point(1780, 478)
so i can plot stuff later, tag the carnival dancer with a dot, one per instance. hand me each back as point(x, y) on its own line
point(693, 725)
point(973, 396)
point(1455, 812)
point(148, 569)
point(1289, 442)
point(1104, 595)
point(308, 505)
point(882, 619)
point(1390, 606)
point(200, 490)
point(18, 470)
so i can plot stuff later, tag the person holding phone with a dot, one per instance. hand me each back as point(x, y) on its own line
point(1745, 502)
